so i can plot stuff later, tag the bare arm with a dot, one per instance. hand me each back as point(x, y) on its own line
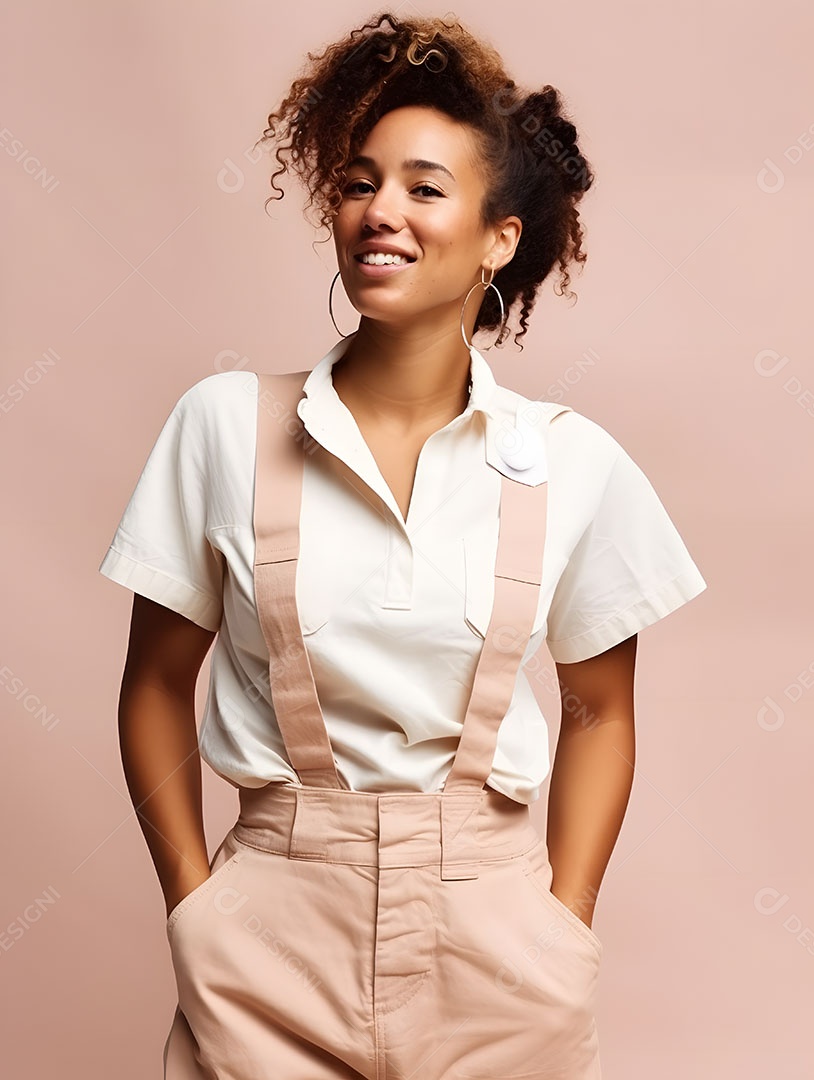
point(159, 742)
point(592, 773)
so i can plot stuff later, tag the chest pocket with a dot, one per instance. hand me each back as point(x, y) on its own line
point(480, 553)
point(321, 593)
point(321, 587)
point(342, 541)
point(479, 549)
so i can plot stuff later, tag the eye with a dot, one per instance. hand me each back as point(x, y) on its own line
point(353, 188)
point(354, 183)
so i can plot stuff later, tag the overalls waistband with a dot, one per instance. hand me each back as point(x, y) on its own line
point(389, 829)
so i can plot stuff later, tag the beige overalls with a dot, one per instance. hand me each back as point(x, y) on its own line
point(390, 936)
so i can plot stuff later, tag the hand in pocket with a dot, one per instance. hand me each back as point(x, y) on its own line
point(184, 888)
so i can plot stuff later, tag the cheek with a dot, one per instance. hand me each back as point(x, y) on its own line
point(346, 222)
point(454, 239)
point(339, 228)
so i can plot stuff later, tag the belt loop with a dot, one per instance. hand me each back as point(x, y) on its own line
point(459, 828)
point(308, 838)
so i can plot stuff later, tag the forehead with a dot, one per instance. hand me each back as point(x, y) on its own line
point(418, 131)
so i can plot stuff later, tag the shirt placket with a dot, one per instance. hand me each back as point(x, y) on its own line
point(334, 428)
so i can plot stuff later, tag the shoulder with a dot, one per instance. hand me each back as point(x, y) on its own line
point(572, 432)
point(212, 425)
point(223, 388)
point(589, 466)
point(229, 394)
point(218, 401)
point(573, 441)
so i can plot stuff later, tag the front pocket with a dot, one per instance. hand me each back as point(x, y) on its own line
point(480, 557)
point(217, 873)
point(313, 613)
point(536, 869)
point(479, 582)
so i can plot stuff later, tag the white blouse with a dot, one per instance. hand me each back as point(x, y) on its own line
point(394, 612)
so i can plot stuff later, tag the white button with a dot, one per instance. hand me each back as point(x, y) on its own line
point(520, 446)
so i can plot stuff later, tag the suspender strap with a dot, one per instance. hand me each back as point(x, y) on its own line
point(279, 466)
point(521, 538)
point(518, 563)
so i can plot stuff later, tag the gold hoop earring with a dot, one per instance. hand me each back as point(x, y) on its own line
point(330, 308)
point(486, 285)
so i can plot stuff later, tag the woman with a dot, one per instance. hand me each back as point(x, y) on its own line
point(366, 540)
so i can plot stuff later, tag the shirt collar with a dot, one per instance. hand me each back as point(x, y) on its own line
point(319, 384)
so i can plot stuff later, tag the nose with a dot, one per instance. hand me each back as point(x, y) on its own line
point(382, 211)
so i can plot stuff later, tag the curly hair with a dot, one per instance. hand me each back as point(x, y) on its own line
point(532, 166)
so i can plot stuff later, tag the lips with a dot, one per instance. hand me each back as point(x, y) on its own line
point(396, 254)
point(381, 270)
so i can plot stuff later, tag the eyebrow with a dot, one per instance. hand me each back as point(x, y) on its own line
point(412, 165)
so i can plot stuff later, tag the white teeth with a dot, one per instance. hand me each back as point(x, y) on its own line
point(380, 259)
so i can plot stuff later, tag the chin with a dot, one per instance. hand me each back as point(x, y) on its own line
point(390, 315)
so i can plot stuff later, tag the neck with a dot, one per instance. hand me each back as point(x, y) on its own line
point(404, 383)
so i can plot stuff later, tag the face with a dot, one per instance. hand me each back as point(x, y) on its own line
point(416, 189)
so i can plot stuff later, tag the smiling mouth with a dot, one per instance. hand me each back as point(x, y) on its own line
point(379, 259)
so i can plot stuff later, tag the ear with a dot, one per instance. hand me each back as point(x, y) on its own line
point(507, 237)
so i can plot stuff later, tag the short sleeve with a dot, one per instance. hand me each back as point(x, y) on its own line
point(629, 569)
point(160, 548)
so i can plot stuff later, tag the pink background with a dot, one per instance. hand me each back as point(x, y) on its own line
point(139, 260)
